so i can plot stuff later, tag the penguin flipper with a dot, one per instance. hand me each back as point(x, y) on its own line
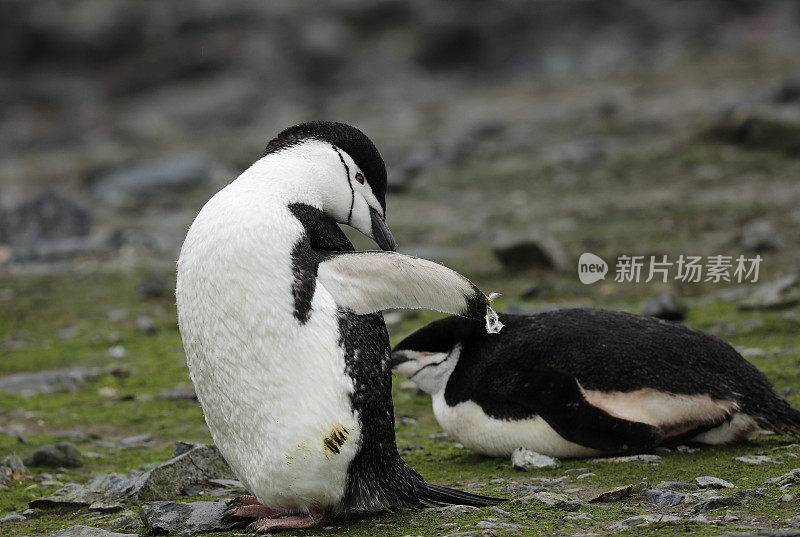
point(366, 282)
point(558, 399)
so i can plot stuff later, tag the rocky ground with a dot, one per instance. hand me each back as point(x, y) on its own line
point(674, 132)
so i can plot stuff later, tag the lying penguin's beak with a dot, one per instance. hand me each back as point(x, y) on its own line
point(380, 232)
point(398, 357)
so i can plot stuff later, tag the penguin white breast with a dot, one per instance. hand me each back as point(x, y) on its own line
point(479, 432)
point(274, 391)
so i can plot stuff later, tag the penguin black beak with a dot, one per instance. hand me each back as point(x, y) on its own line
point(398, 357)
point(380, 232)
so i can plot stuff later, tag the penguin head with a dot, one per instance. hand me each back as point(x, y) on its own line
point(355, 183)
point(429, 355)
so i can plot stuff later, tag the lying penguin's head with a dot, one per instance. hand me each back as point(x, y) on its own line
point(354, 174)
point(430, 354)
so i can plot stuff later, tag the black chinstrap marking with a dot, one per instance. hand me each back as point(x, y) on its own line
point(347, 176)
point(434, 364)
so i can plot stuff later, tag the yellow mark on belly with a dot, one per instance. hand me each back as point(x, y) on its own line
point(335, 439)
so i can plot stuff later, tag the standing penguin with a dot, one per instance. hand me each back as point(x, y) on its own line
point(582, 382)
point(287, 351)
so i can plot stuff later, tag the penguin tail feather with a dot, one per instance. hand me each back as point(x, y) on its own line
point(788, 422)
point(780, 417)
point(434, 495)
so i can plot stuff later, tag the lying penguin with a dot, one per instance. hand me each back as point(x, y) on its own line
point(583, 382)
point(289, 358)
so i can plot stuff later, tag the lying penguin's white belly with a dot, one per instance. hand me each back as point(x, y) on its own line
point(274, 391)
point(470, 425)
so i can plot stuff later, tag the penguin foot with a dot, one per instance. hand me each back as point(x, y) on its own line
point(244, 499)
point(255, 511)
point(249, 507)
point(294, 522)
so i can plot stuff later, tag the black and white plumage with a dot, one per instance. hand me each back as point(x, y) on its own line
point(581, 382)
point(284, 340)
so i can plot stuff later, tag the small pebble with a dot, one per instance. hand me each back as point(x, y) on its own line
point(710, 482)
point(117, 352)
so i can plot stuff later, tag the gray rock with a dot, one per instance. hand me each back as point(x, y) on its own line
point(759, 236)
point(70, 495)
point(146, 181)
point(13, 518)
point(184, 519)
point(686, 450)
point(44, 382)
point(538, 250)
point(153, 286)
point(642, 520)
point(580, 518)
point(185, 392)
point(710, 482)
point(490, 524)
point(665, 306)
point(791, 477)
point(105, 506)
point(763, 127)
point(63, 454)
point(586, 475)
point(772, 295)
point(525, 459)
point(46, 219)
point(552, 499)
point(661, 498)
point(678, 485)
point(617, 494)
point(793, 521)
point(11, 467)
point(643, 459)
point(758, 460)
point(145, 325)
point(739, 497)
point(170, 478)
point(458, 509)
point(126, 520)
point(87, 531)
point(180, 447)
point(135, 441)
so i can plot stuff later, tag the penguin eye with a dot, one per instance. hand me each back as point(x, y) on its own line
point(360, 178)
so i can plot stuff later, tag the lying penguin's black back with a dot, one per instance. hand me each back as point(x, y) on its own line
point(610, 351)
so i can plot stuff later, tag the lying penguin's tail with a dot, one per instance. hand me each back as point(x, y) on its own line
point(435, 495)
point(780, 417)
point(788, 422)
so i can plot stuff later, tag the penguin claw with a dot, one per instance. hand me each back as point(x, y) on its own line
point(244, 499)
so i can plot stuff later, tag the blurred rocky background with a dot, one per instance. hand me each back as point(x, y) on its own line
point(501, 122)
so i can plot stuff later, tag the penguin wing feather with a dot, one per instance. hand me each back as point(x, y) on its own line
point(557, 398)
point(366, 282)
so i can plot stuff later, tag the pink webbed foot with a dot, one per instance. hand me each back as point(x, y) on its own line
point(249, 507)
point(294, 522)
